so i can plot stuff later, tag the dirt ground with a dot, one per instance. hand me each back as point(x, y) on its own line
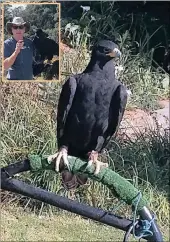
point(138, 120)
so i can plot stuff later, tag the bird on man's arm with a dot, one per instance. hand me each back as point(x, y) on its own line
point(90, 109)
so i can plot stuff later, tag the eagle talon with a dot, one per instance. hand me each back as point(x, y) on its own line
point(52, 157)
point(98, 164)
point(62, 154)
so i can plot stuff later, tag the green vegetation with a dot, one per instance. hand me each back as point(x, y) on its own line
point(20, 225)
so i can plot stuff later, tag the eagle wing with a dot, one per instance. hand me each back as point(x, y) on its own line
point(116, 112)
point(64, 106)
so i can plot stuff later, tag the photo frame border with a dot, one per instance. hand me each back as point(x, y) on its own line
point(2, 39)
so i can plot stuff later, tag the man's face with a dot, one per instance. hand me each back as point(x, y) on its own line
point(18, 31)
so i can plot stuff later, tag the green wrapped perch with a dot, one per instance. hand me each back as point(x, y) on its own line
point(120, 187)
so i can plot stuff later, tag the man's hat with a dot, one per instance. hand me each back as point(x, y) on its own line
point(17, 21)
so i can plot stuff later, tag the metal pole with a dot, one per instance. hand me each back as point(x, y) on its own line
point(96, 214)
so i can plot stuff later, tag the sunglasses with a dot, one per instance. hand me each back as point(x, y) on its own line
point(18, 27)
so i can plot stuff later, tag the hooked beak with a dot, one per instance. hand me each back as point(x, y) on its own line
point(114, 53)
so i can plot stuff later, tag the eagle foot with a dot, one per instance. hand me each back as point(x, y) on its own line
point(62, 154)
point(93, 159)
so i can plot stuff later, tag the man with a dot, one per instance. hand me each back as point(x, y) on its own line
point(18, 51)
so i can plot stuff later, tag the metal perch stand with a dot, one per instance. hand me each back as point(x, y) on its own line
point(120, 187)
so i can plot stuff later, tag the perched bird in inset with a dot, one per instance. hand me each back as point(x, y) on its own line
point(90, 109)
point(45, 46)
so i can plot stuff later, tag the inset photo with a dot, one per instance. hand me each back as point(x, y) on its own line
point(31, 37)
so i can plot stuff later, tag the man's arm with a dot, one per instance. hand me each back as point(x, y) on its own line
point(9, 61)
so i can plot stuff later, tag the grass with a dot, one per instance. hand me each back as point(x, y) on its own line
point(20, 225)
